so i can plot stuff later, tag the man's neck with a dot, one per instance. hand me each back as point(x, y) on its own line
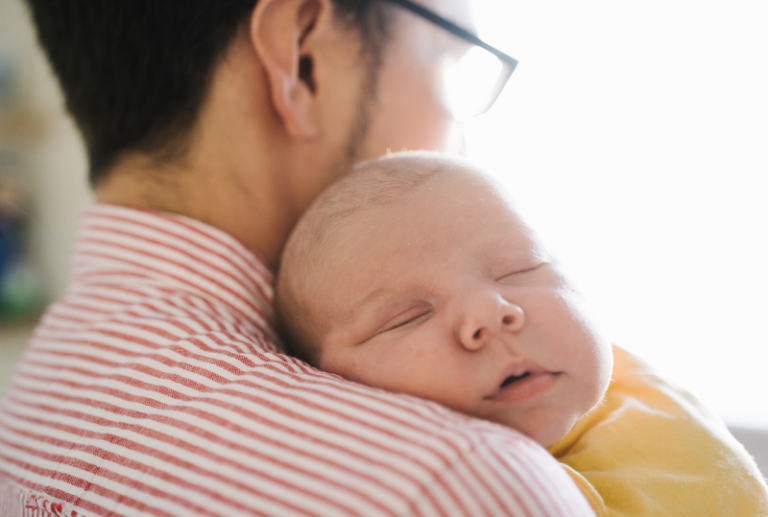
point(243, 171)
point(252, 213)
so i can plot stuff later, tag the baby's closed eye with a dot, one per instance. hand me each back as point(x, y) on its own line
point(520, 272)
point(409, 317)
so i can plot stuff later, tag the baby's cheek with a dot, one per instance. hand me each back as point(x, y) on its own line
point(342, 361)
point(590, 354)
point(601, 369)
point(606, 370)
point(369, 364)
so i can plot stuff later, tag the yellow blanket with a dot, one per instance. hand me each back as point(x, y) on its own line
point(652, 449)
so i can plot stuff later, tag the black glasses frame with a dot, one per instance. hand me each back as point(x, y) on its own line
point(508, 61)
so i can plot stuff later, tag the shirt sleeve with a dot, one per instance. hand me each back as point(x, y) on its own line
point(503, 477)
point(210, 425)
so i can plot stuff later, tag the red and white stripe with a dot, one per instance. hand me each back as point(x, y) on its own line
point(154, 387)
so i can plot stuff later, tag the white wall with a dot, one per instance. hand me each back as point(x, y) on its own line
point(635, 135)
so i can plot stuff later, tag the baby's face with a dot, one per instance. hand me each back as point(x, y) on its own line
point(448, 296)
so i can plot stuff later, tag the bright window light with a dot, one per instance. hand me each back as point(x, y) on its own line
point(635, 138)
point(469, 81)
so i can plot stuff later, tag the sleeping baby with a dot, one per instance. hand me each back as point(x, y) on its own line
point(414, 274)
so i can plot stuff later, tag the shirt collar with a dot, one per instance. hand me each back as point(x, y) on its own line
point(176, 252)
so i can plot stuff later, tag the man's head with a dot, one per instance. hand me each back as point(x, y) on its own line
point(135, 74)
point(237, 113)
point(415, 275)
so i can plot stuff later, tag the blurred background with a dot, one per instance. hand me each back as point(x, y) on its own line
point(42, 185)
point(634, 136)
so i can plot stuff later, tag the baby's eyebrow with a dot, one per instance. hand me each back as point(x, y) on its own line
point(370, 312)
point(381, 301)
point(371, 302)
point(373, 297)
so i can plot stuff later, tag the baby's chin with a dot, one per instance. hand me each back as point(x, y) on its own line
point(546, 431)
point(550, 436)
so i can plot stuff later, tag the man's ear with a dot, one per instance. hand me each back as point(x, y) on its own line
point(282, 33)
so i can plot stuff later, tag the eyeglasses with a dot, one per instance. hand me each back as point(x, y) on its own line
point(473, 81)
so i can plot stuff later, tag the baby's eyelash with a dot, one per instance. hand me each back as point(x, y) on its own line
point(521, 271)
point(405, 318)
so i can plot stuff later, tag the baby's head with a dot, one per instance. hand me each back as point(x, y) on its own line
point(414, 274)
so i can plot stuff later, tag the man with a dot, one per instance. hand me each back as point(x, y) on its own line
point(156, 386)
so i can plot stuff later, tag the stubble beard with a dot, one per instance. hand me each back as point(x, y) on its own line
point(360, 128)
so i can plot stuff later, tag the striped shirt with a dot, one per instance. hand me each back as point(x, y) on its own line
point(154, 387)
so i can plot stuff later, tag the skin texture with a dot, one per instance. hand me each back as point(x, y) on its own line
point(269, 138)
point(445, 294)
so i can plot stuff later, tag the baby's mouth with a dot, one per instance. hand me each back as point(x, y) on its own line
point(514, 378)
point(518, 389)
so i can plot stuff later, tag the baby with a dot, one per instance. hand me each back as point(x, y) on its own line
point(415, 275)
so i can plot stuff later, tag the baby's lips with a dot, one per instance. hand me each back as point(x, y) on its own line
point(517, 368)
point(526, 388)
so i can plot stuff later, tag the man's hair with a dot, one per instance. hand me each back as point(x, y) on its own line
point(135, 73)
point(313, 244)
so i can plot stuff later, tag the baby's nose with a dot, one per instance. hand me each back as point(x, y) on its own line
point(487, 314)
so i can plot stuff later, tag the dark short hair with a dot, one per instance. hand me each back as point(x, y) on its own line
point(135, 72)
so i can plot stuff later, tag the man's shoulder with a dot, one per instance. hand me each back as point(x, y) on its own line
point(156, 386)
point(176, 412)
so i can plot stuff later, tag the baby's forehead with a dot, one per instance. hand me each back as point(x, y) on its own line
point(393, 191)
point(399, 191)
point(374, 212)
point(406, 179)
point(446, 211)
